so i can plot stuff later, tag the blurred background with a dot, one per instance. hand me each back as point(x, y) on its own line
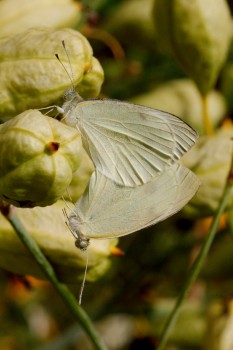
point(131, 302)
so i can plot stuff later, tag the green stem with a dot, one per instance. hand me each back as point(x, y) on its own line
point(196, 267)
point(79, 314)
point(206, 117)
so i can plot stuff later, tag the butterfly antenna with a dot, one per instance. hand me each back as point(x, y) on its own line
point(84, 280)
point(68, 58)
point(68, 206)
point(68, 74)
point(67, 222)
point(65, 215)
point(64, 212)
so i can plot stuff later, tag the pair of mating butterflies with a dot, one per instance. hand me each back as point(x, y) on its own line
point(137, 181)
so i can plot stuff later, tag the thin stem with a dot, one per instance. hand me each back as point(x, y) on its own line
point(206, 117)
point(195, 269)
point(79, 314)
point(108, 39)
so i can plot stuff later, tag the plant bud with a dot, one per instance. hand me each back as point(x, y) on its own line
point(49, 13)
point(47, 226)
point(38, 156)
point(219, 328)
point(80, 178)
point(32, 77)
point(198, 34)
point(90, 85)
point(210, 159)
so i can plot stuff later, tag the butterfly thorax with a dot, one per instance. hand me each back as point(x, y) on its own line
point(82, 241)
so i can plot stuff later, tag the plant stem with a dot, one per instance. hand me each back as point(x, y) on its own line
point(195, 269)
point(79, 314)
point(206, 117)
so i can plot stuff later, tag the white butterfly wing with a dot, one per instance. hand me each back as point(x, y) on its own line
point(129, 143)
point(108, 210)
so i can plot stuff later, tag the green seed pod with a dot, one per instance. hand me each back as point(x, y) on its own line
point(90, 84)
point(181, 97)
point(32, 77)
point(49, 13)
point(37, 158)
point(198, 34)
point(219, 328)
point(80, 178)
point(210, 159)
point(47, 226)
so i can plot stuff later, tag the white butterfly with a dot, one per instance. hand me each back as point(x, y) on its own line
point(128, 143)
point(108, 210)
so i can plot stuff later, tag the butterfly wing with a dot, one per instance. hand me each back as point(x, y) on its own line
point(108, 210)
point(128, 143)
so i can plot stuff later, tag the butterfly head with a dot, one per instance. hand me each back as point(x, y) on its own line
point(69, 94)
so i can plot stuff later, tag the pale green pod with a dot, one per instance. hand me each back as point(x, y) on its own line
point(219, 329)
point(181, 97)
point(210, 159)
point(38, 156)
point(50, 13)
point(80, 178)
point(90, 84)
point(47, 226)
point(198, 34)
point(32, 77)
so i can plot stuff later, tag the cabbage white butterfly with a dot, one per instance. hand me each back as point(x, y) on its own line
point(128, 143)
point(137, 181)
point(108, 210)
